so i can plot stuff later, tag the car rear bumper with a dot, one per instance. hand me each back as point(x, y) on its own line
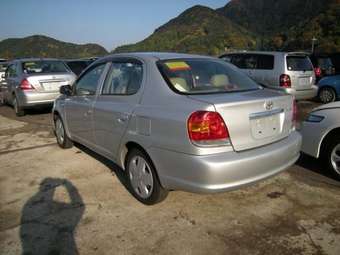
point(31, 98)
point(224, 171)
point(303, 94)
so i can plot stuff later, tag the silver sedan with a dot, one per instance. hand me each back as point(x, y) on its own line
point(178, 122)
point(321, 136)
point(34, 82)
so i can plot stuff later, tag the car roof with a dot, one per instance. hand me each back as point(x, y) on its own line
point(34, 59)
point(268, 52)
point(153, 55)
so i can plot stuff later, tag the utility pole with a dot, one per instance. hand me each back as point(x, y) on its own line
point(313, 44)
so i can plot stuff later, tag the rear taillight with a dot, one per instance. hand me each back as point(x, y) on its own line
point(207, 129)
point(317, 71)
point(285, 81)
point(25, 85)
point(294, 114)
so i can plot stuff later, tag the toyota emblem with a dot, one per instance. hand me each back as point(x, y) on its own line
point(268, 105)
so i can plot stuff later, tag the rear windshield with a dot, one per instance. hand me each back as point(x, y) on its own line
point(299, 63)
point(3, 67)
point(197, 76)
point(325, 63)
point(45, 66)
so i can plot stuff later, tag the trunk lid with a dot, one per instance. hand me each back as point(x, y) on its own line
point(50, 82)
point(253, 118)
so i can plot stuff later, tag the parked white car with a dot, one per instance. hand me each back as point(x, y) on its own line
point(321, 136)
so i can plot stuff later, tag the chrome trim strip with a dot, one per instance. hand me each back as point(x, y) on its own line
point(259, 115)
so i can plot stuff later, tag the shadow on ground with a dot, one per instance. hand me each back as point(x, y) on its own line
point(48, 225)
point(115, 169)
point(320, 172)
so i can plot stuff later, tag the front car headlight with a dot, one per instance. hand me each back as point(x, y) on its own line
point(314, 118)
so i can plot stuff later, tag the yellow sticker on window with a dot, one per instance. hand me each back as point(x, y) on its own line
point(177, 66)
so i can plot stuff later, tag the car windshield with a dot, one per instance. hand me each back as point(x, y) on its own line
point(195, 76)
point(3, 67)
point(44, 66)
point(299, 63)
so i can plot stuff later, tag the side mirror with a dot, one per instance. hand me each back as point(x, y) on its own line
point(66, 90)
point(3, 76)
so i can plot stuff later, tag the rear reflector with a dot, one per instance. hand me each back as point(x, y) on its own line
point(285, 81)
point(25, 85)
point(207, 128)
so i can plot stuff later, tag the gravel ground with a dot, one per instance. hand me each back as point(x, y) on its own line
point(55, 201)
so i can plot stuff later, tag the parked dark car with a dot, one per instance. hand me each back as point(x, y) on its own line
point(78, 65)
point(336, 62)
point(323, 66)
point(329, 89)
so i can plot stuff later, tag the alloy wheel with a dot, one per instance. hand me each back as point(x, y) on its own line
point(335, 158)
point(59, 130)
point(327, 96)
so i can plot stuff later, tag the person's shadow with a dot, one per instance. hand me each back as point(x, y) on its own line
point(48, 226)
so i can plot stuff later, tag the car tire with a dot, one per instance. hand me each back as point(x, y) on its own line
point(331, 155)
point(19, 111)
point(142, 178)
point(327, 95)
point(62, 138)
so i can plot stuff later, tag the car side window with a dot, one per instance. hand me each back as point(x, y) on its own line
point(11, 71)
point(265, 62)
point(124, 78)
point(245, 61)
point(88, 83)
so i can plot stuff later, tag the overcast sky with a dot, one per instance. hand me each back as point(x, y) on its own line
point(108, 22)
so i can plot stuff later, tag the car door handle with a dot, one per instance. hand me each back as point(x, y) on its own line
point(89, 112)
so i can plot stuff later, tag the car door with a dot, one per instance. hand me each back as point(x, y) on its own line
point(78, 107)
point(115, 104)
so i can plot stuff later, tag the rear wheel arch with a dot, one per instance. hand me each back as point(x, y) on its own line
point(133, 145)
point(128, 147)
point(328, 137)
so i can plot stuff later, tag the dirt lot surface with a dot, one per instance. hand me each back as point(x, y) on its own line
point(55, 201)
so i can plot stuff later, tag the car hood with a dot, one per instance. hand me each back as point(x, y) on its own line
point(327, 106)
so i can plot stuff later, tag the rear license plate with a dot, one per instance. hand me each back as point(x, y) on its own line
point(304, 81)
point(266, 126)
point(51, 86)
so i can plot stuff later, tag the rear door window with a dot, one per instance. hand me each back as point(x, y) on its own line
point(11, 71)
point(124, 78)
point(265, 62)
point(245, 61)
point(299, 63)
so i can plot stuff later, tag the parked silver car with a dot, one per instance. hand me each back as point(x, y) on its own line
point(35, 82)
point(178, 122)
point(321, 136)
point(291, 72)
